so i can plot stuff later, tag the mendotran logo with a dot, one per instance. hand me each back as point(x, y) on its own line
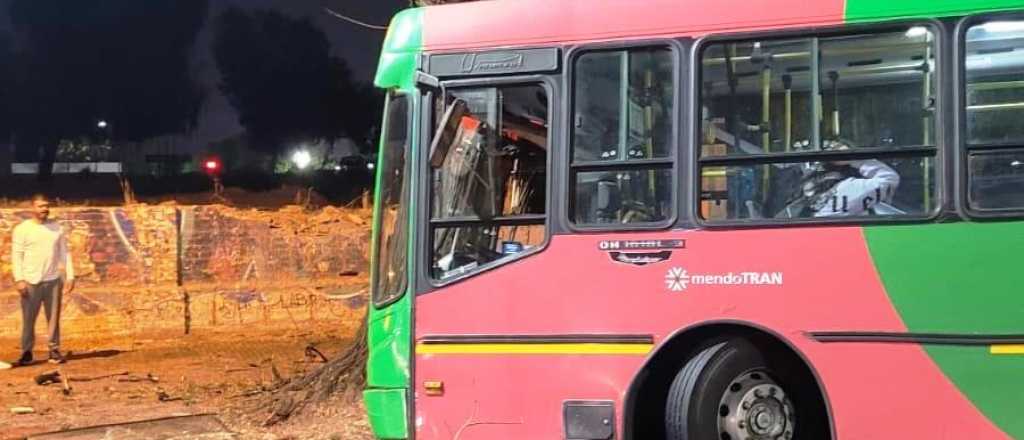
point(678, 279)
point(489, 62)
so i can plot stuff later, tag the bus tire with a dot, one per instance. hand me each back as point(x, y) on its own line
point(729, 391)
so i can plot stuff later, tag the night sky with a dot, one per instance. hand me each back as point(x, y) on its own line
point(360, 47)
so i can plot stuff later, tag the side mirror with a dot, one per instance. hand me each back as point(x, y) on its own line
point(447, 132)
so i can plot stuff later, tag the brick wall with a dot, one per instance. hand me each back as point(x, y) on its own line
point(162, 269)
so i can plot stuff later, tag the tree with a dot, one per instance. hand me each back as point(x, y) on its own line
point(278, 73)
point(347, 372)
point(7, 112)
point(123, 61)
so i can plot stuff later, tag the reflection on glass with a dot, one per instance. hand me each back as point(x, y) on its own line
point(623, 105)
point(871, 90)
point(878, 90)
point(854, 188)
point(458, 251)
point(997, 180)
point(498, 164)
point(604, 197)
point(392, 246)
point(756, 97)
point(995, 89)
point(493, 176)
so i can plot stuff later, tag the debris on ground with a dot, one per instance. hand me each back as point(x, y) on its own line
point(313, 353)
point(65, 385)
point(22, 410)
point(48, 378)
point(162, 396)
point(200, 361)
point(130, 378)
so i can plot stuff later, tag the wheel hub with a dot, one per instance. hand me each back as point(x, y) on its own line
point(755, 407)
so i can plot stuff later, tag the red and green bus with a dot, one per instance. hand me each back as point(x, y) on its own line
point(696, 219)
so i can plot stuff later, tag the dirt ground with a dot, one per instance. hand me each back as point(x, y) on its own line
point(183, 375)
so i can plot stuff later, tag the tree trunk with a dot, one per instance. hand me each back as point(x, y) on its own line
point(45, 173)
point(6, 156)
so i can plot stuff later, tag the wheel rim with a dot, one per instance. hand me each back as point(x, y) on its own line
point(755, 407)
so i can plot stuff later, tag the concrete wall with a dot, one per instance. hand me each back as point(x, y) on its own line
point(165, 270)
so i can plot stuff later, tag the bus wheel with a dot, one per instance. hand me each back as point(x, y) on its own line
point(728, 391)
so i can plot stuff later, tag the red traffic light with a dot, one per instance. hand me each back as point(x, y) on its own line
point(212, 166)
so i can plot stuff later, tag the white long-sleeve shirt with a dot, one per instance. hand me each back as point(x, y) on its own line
point(856, 195)
point(40, 252)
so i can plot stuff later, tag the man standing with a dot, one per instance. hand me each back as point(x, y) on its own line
point(40, 256)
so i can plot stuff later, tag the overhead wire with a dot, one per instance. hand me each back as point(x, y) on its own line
point(353, 20)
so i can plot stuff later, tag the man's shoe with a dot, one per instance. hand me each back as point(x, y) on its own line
point(25, 360)
point(56, 357)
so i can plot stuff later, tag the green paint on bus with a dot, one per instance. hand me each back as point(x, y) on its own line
point(387, 413)
point(388, 334)
point(873, 10)
point(402, 47)
point(943, 278)
point(961, 278)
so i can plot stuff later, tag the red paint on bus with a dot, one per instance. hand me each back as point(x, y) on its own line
point(539, 22)
point(829, 283)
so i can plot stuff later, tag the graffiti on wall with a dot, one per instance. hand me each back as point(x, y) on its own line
point(186, 268)
point(221, 246)
point(126, 247)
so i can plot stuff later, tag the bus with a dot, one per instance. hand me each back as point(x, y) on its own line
point(700, 219)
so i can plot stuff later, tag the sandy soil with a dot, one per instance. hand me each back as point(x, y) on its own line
point(197, 374)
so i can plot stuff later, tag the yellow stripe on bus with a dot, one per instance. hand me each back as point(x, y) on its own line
point(1007, 349)
point(580, 348)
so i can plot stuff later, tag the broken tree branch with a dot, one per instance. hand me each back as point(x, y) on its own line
point(93, 378)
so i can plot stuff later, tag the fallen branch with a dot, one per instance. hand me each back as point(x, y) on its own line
point(311, 351)
point(164, 397)
point(344, 374)
point(48, 378)
point(249, 393)
point(133, 378)
point(64, 382)
point(97, 378)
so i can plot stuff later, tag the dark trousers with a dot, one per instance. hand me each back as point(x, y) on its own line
point(47, 293)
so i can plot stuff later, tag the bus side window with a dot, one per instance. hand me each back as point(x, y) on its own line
point(391, 256)
point(862, 111)
point(994, 110)
point(623, 113)
point(489, 186)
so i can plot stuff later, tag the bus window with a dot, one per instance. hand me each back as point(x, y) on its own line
point(623, 113)
point(392, 217)
point(756, 97)
point(860, 107)
point(489, 191)
point(994, 111)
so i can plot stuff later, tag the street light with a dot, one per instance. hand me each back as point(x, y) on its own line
point(102, 124)
point(302, 159)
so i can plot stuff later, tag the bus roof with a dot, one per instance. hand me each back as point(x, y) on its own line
point(518, 23)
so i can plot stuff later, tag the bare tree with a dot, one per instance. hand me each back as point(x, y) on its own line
point(344, 374)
